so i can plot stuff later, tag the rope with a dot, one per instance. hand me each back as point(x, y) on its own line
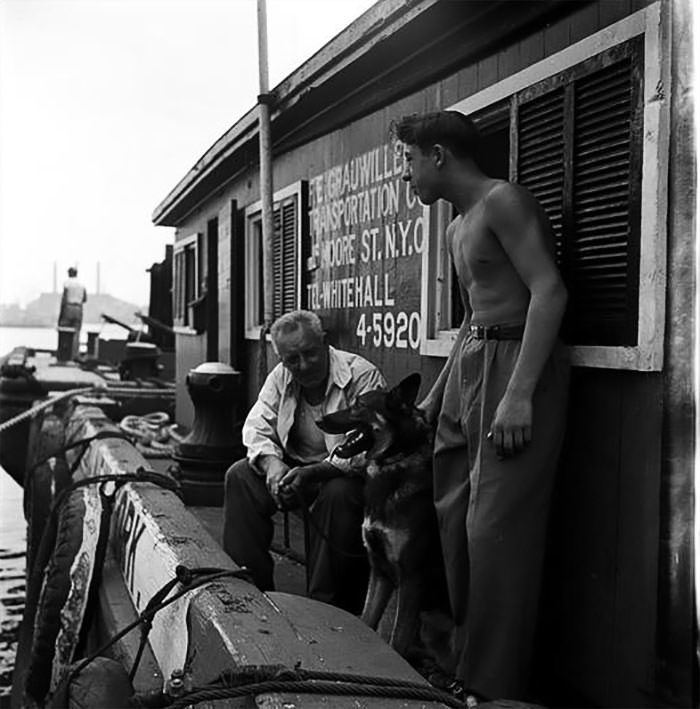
point(139, 390)
point(185, 576)
point(256, 680)
point(319, 687)
point(30, 413)
point(141, 475)
point(151, 434)
point(83, 441)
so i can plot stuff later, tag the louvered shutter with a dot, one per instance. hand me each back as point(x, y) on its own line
point(285, 257)
point(604, 250)
point(541, 155)
point(579, 152)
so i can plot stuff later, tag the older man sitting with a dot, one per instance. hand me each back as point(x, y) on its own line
point(289, 456)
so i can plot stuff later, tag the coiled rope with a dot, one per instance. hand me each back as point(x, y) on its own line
point(152, 434)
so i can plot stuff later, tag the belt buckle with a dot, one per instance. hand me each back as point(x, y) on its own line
point(485, 332)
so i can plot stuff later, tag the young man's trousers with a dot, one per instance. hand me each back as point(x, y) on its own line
point(493, 513)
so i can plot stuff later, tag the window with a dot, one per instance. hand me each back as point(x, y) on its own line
point(587, 132)
point(288, 209)
point(189, 277)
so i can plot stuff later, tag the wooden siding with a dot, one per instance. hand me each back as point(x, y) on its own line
point(599, 604)
point(191, 352)
point(225, 284)
point(677, 639)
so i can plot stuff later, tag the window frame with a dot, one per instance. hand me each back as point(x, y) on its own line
point(253, 255)
point(182, 315)
point(647, 355)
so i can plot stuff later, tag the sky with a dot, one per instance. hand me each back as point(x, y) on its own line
point(104, 107)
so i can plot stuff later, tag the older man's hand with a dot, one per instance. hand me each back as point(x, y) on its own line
point(275, 469)
point(297, 482)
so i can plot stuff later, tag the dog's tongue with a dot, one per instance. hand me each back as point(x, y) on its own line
point(356, 442)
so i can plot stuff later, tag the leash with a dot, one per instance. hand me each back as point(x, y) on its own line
point(310, 521)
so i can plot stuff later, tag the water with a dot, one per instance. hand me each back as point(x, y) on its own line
point(47, 337)
point(12, 581)
point(12, 524)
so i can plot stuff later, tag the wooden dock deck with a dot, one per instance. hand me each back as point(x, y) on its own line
point(287, 549)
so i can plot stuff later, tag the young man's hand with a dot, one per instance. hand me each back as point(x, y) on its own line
point(430, 408)
point(511, 430)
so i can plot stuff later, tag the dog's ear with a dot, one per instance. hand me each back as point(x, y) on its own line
point(406, 390)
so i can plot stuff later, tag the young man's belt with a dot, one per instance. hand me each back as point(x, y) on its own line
point(496, 332)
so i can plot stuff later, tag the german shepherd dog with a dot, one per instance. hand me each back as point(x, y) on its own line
point(400, 528)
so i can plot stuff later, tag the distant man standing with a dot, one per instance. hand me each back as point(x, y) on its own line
point(499, 402)
point(71, 313)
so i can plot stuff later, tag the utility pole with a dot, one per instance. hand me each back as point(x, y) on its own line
point(265, 100)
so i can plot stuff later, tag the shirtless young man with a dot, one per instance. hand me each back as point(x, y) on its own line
point(499, 402)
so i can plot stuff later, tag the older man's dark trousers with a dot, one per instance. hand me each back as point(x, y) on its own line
point(337, 567)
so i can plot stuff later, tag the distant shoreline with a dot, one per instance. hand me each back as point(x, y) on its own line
point(52, 326)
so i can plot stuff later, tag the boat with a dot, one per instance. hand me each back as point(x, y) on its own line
point(130, 596)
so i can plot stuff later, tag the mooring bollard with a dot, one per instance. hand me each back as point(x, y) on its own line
point(214, 443)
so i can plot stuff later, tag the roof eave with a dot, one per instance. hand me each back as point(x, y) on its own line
point(377, 23)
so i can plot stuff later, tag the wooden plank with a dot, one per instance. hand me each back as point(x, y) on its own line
point(636, 586)
point(467, 81)
point(556, 36)
point(212, 282)
point(449, 91)
point(580, 574)
point(532, 48)
point(509, 61)
point(612, 10)
point(224, 282)
point(63, 377)
point(289, 572)
point(329, 633)
point(679, 591)
point(583, 22)
point(487, 71)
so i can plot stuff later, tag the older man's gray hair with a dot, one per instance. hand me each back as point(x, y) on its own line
point(289, 322)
